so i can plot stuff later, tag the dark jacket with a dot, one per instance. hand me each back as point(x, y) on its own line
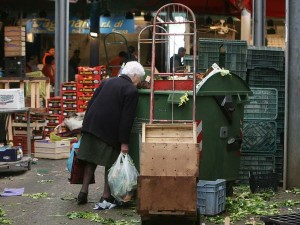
point(111, 111)
point(177, 62)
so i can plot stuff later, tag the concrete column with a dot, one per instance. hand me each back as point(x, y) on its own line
point(61, 43)
point(292, 105)
point(246, 25)
point(259, 21)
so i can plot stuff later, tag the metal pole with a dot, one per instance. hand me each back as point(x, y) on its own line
point(259, 19)
point(292, 103)
point(61, 43)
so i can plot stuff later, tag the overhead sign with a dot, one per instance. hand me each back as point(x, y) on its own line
point(46, 26)
point(107, 25)
point(116, 24)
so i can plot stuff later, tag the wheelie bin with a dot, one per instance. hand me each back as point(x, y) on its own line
point(219, 109)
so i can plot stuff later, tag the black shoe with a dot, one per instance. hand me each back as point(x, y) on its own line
point(82, 198)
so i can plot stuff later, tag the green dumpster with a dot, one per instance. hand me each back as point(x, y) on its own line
point(220, 101)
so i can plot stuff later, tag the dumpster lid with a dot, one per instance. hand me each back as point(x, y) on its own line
point(222, 82)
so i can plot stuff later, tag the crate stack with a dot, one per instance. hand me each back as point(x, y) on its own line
point(54, 117)
point(14, 51)
point(266, 70)
point(19, 125)
point(259, 133)
point(88, 79)
point(68, 91)
point(228, 54)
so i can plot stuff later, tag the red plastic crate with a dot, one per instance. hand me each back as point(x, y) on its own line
point(69, 104)
point(68, 96)
point(21, 140)
point(88, 79)
point(54, 119)
point(84, 96)
point(54, 102)
point(83, 70)
point(68, 86)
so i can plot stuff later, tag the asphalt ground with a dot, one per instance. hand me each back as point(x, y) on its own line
point(51, 177)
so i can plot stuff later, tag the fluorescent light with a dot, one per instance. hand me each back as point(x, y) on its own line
point(93, 34)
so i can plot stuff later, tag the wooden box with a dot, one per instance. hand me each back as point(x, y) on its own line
point(169, 133)
point(167, 195)
point(169, 150)
point(52, 150)
point(169, 159)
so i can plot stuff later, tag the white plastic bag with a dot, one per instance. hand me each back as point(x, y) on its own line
point(122, 178)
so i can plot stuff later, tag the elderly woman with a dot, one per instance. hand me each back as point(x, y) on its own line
point(107, 125)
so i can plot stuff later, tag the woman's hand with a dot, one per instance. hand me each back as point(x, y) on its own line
point(124, 148)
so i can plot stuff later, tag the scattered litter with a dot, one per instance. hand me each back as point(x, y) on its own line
point(104, 205)
point(45, 181)
point(12, 192)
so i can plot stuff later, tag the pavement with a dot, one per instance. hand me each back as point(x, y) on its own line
point(51, 177)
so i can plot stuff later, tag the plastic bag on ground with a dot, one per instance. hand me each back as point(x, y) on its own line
point(122, 178)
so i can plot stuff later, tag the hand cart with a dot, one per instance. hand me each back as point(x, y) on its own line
point(114, 39)
point(169, 157)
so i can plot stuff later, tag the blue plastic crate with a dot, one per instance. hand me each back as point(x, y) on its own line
point(265, 57)
point(211, 196)
point(263, 104)
point(259, 137)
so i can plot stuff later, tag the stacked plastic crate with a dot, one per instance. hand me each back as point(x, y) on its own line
point(266, 70)
point(88, 79)
point(68, 91)
point(259, 133)
point(54, 117)
point(228, 54)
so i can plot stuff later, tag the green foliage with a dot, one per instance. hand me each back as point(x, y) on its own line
point(97, 218)
point(3, 220)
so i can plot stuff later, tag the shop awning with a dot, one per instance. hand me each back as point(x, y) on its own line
point(275, 8)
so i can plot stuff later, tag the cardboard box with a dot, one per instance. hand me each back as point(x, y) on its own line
point(12, 98)
point(10, 154)
point(14, 31)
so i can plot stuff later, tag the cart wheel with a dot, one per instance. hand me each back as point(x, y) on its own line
point(29, 165)
point(198, 220)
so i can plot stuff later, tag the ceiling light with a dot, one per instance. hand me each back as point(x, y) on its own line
point(94, 34)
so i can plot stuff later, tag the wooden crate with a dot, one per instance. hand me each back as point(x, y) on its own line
point(167, 195)
point(169, 159)
point(169, 133)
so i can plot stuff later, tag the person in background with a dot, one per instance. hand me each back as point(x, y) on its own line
point(50, 52)
point(131, 54)
point(31, 65)
point(107, 125)
point(73, 64)
point(177, 60)
point(116, 63)
point(49, 69)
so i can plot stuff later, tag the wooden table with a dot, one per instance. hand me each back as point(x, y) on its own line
point(34, 83)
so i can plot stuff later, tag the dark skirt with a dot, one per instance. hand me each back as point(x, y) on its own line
point(94, 150)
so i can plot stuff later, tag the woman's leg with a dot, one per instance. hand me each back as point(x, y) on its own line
point(89, 171)
point(106, 190)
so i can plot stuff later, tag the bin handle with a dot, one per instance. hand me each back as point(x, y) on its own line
point(242, 100)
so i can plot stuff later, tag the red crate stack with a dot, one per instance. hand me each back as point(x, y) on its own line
point(88, 80)
point(52, 120)
point(68, 93)
point(54, 106)
point(19, 125)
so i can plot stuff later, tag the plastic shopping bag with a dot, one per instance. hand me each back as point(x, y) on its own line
point(122, 178)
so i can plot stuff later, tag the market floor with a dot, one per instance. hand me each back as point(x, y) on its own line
point(51, 178)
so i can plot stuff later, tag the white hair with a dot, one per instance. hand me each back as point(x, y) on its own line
point(133, 68)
